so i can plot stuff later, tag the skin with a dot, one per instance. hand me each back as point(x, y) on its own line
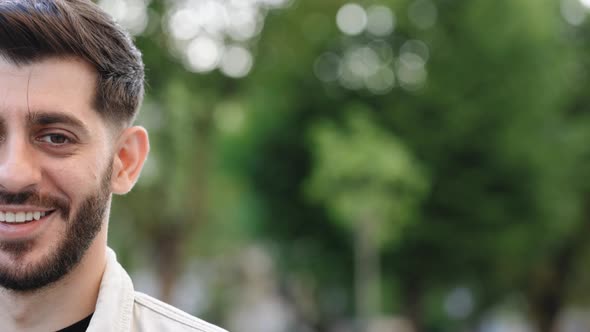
point(66, 160)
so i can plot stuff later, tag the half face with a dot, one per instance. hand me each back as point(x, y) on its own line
point(56, 158)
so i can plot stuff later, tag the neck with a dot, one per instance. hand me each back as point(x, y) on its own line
point(61, 304)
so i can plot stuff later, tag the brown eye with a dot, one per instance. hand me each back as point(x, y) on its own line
point(55, 139)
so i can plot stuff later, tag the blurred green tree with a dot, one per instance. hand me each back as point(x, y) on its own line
point(477, 109)
point(372, 186)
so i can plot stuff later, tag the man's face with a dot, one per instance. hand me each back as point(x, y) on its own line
point(56, 157)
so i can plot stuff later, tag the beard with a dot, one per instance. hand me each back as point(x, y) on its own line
point(81, 229)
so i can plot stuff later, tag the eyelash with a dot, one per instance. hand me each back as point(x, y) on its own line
point(46, 139)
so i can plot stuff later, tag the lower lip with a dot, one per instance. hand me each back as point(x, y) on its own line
point(14, 231)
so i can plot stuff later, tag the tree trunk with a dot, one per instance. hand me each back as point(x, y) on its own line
point(173, 237)
point(549, 282)
point(412, 297)
point(368, 272)
point(169, 261)
point(546, 295)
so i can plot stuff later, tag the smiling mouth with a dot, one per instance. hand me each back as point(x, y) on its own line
point(21, 217)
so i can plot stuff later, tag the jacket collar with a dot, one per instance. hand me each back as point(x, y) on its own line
point(114, 307)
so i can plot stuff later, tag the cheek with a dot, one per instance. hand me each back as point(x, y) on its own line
point(76, 178)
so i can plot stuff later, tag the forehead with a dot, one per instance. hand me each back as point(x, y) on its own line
point(50, 85)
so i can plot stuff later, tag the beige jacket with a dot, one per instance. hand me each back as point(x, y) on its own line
point(120, 308)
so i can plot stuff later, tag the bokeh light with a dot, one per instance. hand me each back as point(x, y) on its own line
point(276, 3)
point(359, 63)
point(411, 72)
point(208, 15)
point(200, 30)
point(236, 62)
point(246, 23)
point(372, 65)
point(380, 82)
point(132, 14)
point(380, 20)
point(573, 11)
point(383, 50)
point(351, 19)
point(415, 48)
point(363, 61)
point(182, 25)
point(361, 67)
point(203, 54)
point(348, 79)
point(458, 303)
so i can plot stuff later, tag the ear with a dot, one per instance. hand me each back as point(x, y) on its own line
point(131, 152)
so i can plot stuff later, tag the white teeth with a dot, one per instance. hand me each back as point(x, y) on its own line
point(21, 217)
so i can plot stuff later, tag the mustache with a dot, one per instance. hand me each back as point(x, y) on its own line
point(33, 197)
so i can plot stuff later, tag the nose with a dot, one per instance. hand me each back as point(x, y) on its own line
point(19, 169)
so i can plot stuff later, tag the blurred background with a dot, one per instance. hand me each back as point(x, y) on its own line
point(377, 165)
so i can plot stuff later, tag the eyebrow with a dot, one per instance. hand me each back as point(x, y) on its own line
point(49, 118)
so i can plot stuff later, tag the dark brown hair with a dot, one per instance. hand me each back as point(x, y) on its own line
point(33, 30)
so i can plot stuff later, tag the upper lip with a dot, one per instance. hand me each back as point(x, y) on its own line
point(24, 208)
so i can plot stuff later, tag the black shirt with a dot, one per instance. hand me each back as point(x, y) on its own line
point(80, 326)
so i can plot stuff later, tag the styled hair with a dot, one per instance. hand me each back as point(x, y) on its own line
point(34, 30)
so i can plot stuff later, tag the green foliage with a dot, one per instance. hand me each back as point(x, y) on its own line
point(364, 172)
point(477, 178)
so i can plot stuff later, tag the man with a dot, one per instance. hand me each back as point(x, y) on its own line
point(71, 82)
